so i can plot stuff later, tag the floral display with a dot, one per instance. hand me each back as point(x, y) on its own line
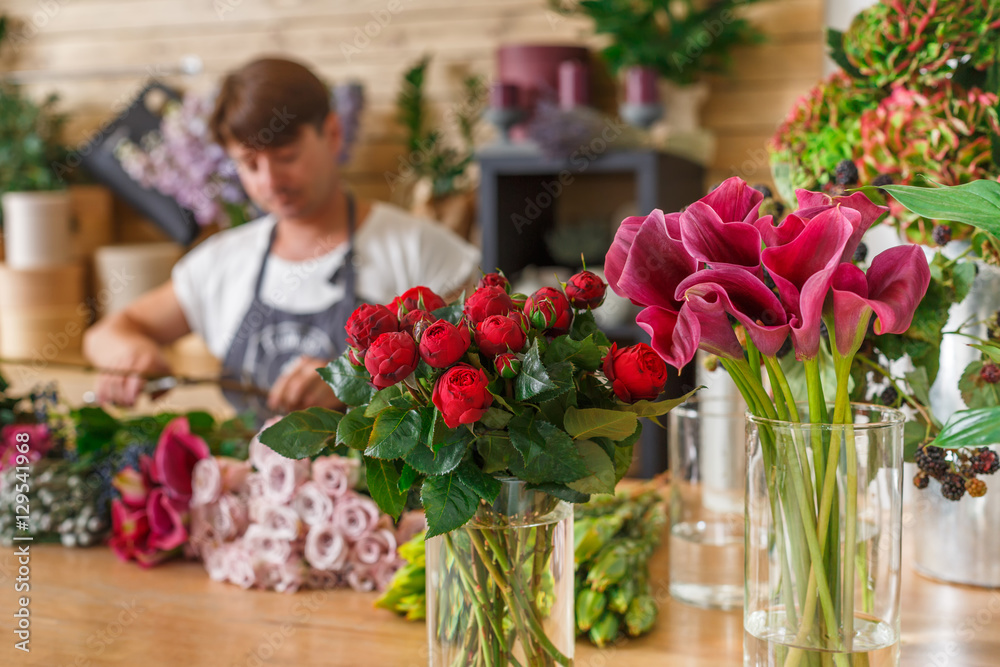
point(280, 524)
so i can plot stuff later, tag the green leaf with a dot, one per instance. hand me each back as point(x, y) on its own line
point(584, 354)
point(303, 434)
point(599, 423)
point(200, 422)
point(976, 392)
point(448, 503)
point(495, 449)
point(534, 378)
point(835, 40)
point(383, 399)
point(355, 430)
point(659, 408)
point(350, 383)
point(913, 435)
point(447, 457)
point(602, 470)
point(561, 491)
point(407, 478)
point(991, 350)
point(623, 460)
point(584, 326)
point(485, 486)
point(976, 203)
point(452, 313)
point(495, 419)
point(917, 379)
point(394, 434)
point(428, 420)
point(95, 429)
point(971, 428)
point(547, 453)
point(964, 276)
point(383, 483)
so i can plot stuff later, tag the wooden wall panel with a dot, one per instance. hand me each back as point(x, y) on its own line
point(463, 37)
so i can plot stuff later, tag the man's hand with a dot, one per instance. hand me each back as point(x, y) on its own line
point(137, 359)
point(301, 387)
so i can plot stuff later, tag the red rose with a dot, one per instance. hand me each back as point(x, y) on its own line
point(357, 357)
point(585, 290)
point(461, 395)
point(367, 323)
point(391, 358)
point(507, 365)
point(499, 333)
point(487, 301)
point(494, 280)
point(636, 373)
point(548, 308)
point(443, 343)
point(416, 298)
point(409, 322)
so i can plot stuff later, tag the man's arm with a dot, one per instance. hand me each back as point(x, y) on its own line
point(131, 340)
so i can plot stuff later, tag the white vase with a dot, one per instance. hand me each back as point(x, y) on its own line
point(36, 228)
point(681, 131)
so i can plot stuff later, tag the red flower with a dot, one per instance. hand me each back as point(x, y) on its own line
point(461, 395)
point(548, 308)
point(636, 373)
point(166, 521)
point(416, 298)
point(494, 280)
point(499, 333)
point(409, 322)
point(507, 365)
point(367, 323)
point(487, 301)
point(443, 343)
point(177, 451)
point(585, 290)
point(391, 358)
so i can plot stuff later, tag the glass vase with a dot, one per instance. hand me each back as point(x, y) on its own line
point(823, 527)
point(500, 588)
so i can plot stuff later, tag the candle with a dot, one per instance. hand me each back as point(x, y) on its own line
point(503, 95)
point(573, 88)
point(640, 86)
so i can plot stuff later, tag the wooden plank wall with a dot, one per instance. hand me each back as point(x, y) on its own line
point(462, 35)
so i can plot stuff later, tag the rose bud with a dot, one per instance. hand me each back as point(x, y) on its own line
point(461, 394)
point(636, 373)
point(409, 321)
point(585, 290)
point(391, 358)
point(507, 365)
point(367, 323)
point(521, 319)
point(357, 357)
point(556, 318)
point(499, 333)
point(518, 299)
point(487, 301)
point(443, 343)
point(494, 280)
point(416, 298)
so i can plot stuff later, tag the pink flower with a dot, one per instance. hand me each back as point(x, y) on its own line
point(216, 562)
point(203, 537)
point(361, 578)
point(312, 503)
point(255, 485)
point(166, 520)
point(259, 453)
point(239, 566)
point(176, 454)
point(129, 528)
point(133, 486)
point(282, 477)
point(811, 204)
point(325, 547)
point(322, 579)
point(266, 546)
point(374, 546)
point(206, 481)
point(354, 516)
point(228, 517)
point(336, 475)
point(281, 521)
point(38, 444)
point(291, 575)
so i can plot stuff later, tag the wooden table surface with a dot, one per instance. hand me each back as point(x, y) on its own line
point(88, 609)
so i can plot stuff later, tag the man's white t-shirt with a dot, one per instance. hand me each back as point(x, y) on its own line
point(393, 251)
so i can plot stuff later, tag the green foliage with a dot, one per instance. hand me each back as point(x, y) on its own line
point(350, 383)
point(304, 434)
point(29, 142)
point(681, 39)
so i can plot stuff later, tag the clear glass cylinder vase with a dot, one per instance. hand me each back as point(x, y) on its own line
point(500, 588)
point(823, 528)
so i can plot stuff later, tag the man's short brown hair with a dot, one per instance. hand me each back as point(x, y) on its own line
point(266, 102)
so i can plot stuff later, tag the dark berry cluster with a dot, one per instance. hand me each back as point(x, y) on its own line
point(941, 234)
point(889, 396)
point(990, 373)
point(847, 173)
point(956, 471)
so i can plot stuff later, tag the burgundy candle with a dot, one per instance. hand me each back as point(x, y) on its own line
point(640, 86)
point(503, 95)
point(573, 88)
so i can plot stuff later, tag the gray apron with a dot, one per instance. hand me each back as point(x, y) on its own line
point(269, 339)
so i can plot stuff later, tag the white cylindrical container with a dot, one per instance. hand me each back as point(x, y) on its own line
point(36, 228)
point(125, 272)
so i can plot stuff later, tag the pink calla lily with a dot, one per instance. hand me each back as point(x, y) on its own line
point(176, 453)
point(742, 295)
point(614, 261)
point(802, 271)
point(708, 238)
point(892, 289)
point(715, 331)
point(675, 335)
point(734, 201)
point(656, 262)
point(166, 521)
point(133, 487)
point(812, 204)
point(786, 232)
